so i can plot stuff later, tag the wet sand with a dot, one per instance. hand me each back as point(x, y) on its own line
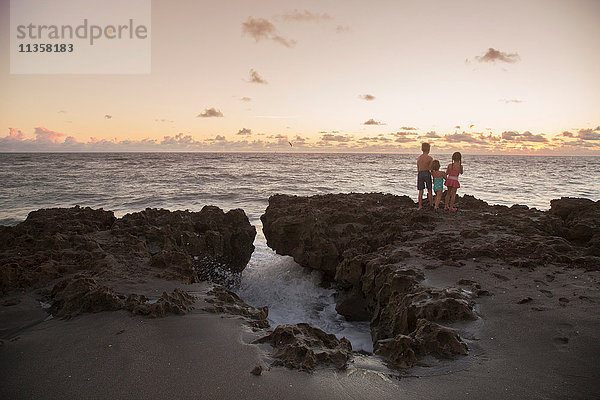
point(536, 350)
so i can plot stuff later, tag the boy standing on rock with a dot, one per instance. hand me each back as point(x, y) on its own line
point(424, 174)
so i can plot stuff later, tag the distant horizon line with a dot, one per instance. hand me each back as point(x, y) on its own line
point(288, 152)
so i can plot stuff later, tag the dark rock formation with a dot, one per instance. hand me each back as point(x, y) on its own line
point(71, 297)
point(51, 243)
point(305, 347)
point(369, 243)
point(578, 221)
point(177, 302)
point(82, 294)
point(181, 245)
point(223, 300)
point(428, 338)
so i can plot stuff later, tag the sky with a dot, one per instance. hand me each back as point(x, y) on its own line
point(501, 77)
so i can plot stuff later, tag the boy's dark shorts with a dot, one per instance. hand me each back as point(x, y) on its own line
point(424, 179)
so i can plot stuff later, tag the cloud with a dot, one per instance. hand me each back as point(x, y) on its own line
point(179, 139)
point(409, 128)
point(402, 133)
point(508, 101)
point(15, 134)
point(336, 138)
point(431, 135)
point(463, 137)
point(246, 99)
point(107, 116)
point(262, 29)
point(48, 140)
point(210, 112)
point(530, 137)
point(375, 139)
point(62, 112)
point(305, 16)
point(510, 135)
point(493, 55)
point(372, 122)
point(299, 140)
point(597, 128)
point(256, 78)
point(280, 140)
point(567, 134)
point(46, 135)
point(588, 134)
point(259, 28)
point(523, 137)
point(368, 97)
point(244, 131)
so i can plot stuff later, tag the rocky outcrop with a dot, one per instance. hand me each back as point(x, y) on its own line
point(225, 301)
point(51, 243)
point(429, 338)
point(82, 294)
point(578, 221)
point(376, 246)
point(306, 347)
point(181, 245)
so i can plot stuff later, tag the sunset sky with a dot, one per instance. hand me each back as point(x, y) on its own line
point(477, 76)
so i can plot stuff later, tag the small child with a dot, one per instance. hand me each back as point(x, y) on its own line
point(423, 174)
point(438, 182)
point(453, 171)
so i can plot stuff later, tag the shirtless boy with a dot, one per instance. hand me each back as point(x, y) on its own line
point(424, 174)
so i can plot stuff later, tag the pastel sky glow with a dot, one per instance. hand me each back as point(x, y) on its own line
point(514, 77)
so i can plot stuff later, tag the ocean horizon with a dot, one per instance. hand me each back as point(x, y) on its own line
point(127, 182)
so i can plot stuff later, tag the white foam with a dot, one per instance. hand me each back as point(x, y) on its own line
point(293, 295)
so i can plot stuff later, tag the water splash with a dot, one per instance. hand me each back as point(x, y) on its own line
point(293, 295)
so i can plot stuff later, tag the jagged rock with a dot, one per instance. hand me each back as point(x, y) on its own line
point(429, 338)
point(223, 300)
point(304, 346)
point(82, 294)
point(49, 244)
point(178, 302)
point(399, 350)
point(577, 220)
point(400, 312)
point(72, 297)
point(52, 243)
point(317, 230)
point(438, 340)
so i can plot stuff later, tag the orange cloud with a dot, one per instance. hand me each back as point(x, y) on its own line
point(15, 134)
point(45, 134)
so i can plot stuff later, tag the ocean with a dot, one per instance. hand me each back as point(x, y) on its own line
point(129, 182)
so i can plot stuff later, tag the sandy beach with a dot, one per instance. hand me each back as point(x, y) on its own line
point(535, 336)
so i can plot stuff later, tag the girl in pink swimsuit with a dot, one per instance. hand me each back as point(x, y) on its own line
point(452, 183)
